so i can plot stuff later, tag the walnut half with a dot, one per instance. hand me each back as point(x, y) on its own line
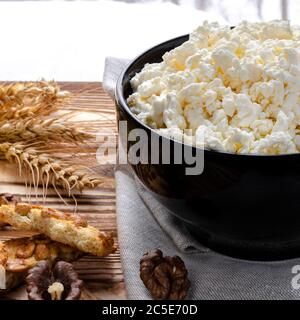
point(166, 278)
point(53, 282)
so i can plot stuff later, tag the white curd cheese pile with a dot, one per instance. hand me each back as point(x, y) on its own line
point(231, 90)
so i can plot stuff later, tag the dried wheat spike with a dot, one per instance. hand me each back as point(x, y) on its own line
point(42, 129)
point(12, 95)
point(20, 100)
point(48, 170)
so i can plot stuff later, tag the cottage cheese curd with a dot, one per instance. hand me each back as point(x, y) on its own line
point(231, 90)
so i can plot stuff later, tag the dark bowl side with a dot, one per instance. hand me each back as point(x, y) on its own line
point(244, 206)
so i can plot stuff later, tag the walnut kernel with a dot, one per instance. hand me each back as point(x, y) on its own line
point(53, 282)
point(166, 278)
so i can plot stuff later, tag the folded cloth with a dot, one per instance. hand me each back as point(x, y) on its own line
point(144, 224)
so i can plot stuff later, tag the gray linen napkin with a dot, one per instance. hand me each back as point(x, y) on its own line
point(144, 224)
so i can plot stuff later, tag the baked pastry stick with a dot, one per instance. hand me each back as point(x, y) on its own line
point(17, 256)
point(7, 198)
point(66, 228)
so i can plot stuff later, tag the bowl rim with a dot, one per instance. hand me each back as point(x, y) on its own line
point(122, 103)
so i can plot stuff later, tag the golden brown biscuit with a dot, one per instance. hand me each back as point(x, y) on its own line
point(8, 198)
point(66, 228)
point(17, 256)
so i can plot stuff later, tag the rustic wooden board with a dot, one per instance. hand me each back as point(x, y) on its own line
point(103, 277)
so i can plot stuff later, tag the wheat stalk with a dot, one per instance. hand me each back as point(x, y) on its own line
point(42, 129)
point(48, 170)
point(24, 111)
point(21, 100)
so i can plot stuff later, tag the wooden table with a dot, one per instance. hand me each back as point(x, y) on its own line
point(103, 277)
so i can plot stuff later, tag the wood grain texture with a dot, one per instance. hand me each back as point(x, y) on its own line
point(103, 277)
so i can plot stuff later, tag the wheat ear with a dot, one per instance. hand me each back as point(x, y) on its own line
point(45, 130)
point(12, 95)
point(21, 100)
point(47, 170)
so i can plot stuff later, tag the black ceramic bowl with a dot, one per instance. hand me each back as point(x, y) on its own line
point(246, 206)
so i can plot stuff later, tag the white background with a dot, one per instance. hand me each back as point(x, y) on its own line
point(69, 40)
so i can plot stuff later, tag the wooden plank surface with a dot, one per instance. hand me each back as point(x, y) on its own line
point(103, 277)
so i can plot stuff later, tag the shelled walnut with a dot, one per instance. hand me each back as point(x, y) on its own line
point(166, 278)
point(53, 282)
